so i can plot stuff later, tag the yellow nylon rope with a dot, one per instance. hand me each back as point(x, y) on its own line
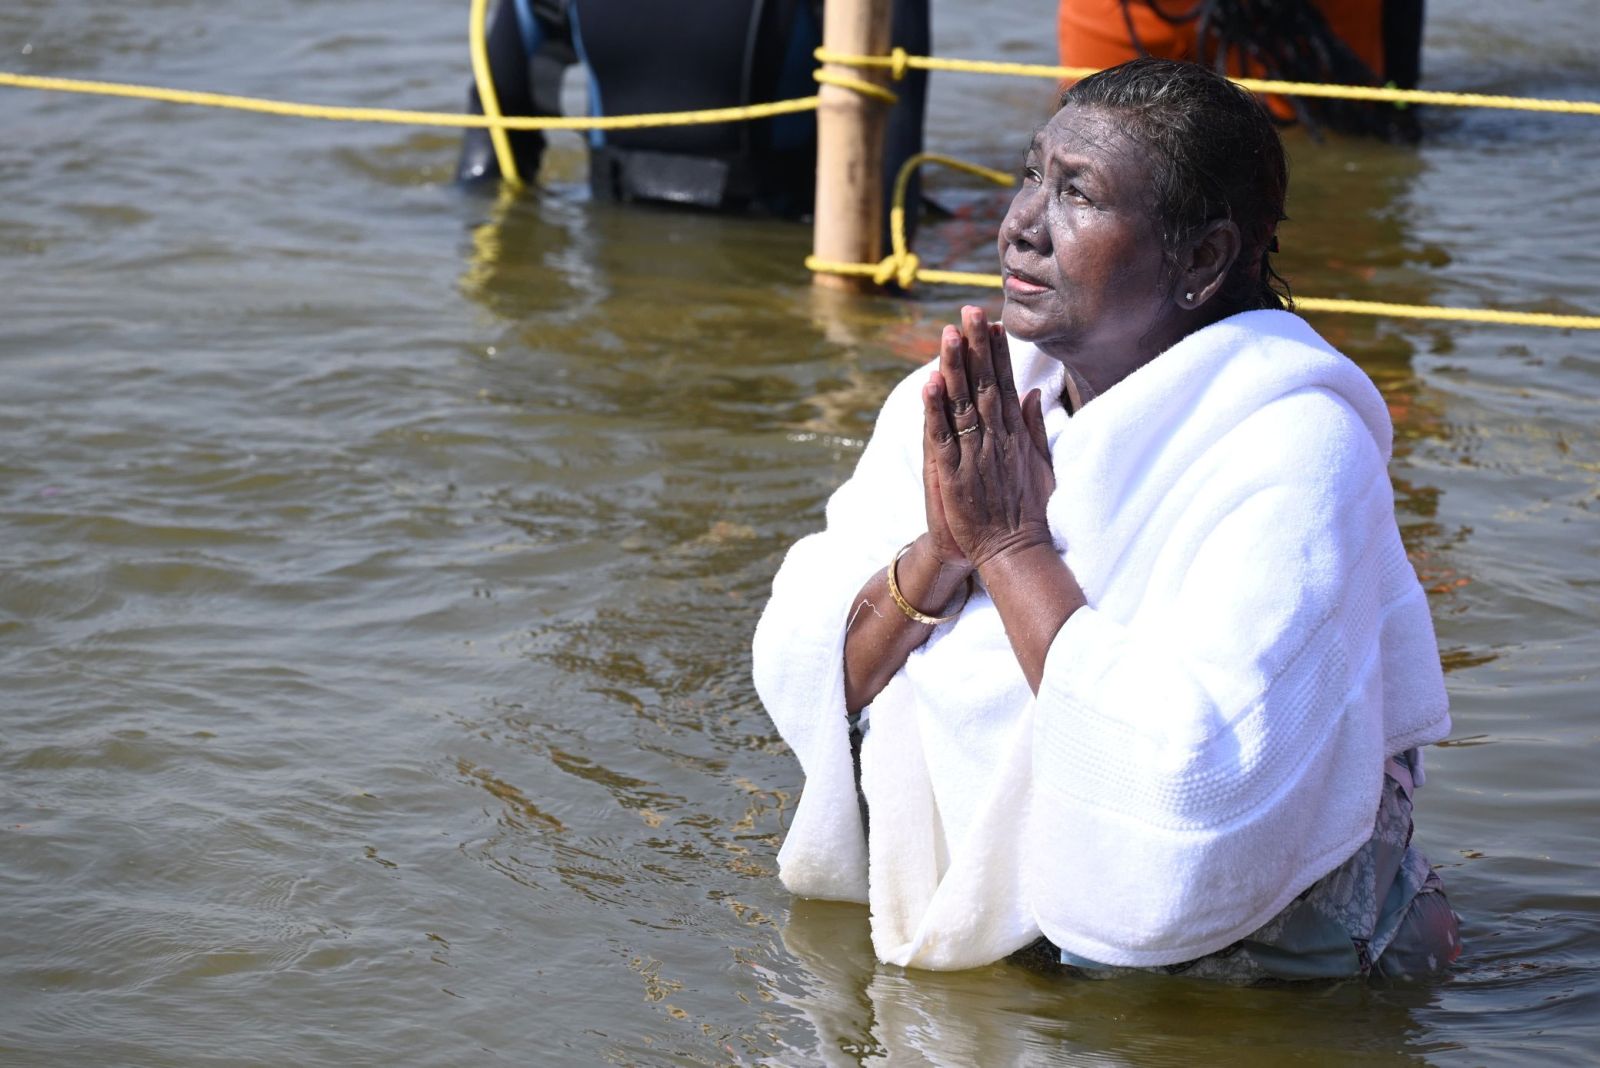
point(1465, 315)
point(901, 265)
point(488, 96)
point(898, 62)
point(844, 81)
point(260, 105)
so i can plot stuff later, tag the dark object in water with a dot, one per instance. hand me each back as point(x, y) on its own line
point(678, 57)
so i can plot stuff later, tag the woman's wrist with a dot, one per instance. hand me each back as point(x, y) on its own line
point(1017, 562)
point(1007, 551)
point(955, 571)
point(927, 581)
point(1035, 593)
point(878, 641)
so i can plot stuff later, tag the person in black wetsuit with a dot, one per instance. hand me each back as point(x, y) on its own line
point(674, 57)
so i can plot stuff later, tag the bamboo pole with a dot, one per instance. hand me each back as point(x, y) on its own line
point(848, 224)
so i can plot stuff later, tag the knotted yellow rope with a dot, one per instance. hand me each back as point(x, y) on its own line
point(844, 81)
point(902, 266)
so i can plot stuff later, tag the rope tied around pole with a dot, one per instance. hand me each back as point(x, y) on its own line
point(898, 63)
point(865, 88)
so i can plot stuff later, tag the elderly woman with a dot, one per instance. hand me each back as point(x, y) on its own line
point(1140, 665)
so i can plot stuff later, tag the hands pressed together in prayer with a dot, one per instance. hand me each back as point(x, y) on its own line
point(986, 473)
point(986, 477)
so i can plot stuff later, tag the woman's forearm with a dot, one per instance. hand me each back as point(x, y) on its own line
point(1035, 593)
point(880, 635)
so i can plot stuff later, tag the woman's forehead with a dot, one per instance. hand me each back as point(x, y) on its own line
point(1089, 136)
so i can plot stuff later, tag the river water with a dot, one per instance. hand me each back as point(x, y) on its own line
point(379, 563)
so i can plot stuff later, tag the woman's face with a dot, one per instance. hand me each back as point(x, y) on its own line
point(1085, 276)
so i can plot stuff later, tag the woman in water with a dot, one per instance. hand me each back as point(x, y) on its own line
point(1110, 649)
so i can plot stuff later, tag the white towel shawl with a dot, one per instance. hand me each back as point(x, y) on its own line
point(1209, 736)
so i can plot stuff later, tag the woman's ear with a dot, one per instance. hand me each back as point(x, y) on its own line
point(1207, 261)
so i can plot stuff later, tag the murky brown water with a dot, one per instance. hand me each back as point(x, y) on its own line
point(379, 564)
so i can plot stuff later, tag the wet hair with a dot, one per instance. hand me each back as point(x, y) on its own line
point(1214, 154)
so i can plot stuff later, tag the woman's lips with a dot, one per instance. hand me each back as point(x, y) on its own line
point(1023, 286)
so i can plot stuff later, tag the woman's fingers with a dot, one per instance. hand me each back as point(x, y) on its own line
point(1000, 352)
point(938, 435)
point(939, 451)
point(956, 389)
point(980, 370)
point(1033, 418)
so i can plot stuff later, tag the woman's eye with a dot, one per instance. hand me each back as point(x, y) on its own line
point(1030, 174)
point(1072, 192)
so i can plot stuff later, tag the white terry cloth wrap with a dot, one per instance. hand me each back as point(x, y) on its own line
point(1209, 736)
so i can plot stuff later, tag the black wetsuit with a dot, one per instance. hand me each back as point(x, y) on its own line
point(682, 56)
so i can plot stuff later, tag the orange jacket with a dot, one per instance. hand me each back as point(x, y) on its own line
point(1094, 33)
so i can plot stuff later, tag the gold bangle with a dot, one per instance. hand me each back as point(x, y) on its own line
point(905, 605)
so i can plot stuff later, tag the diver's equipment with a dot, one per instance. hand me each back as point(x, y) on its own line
point(687, 55)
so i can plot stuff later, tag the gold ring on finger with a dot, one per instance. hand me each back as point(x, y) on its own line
point(973, 429)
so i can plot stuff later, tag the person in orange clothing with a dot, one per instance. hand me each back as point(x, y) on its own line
point(1352, 42)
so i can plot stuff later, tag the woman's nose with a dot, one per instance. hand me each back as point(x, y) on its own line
point(1021, 226)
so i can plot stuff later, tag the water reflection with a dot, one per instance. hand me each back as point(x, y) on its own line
point(862, 1011)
